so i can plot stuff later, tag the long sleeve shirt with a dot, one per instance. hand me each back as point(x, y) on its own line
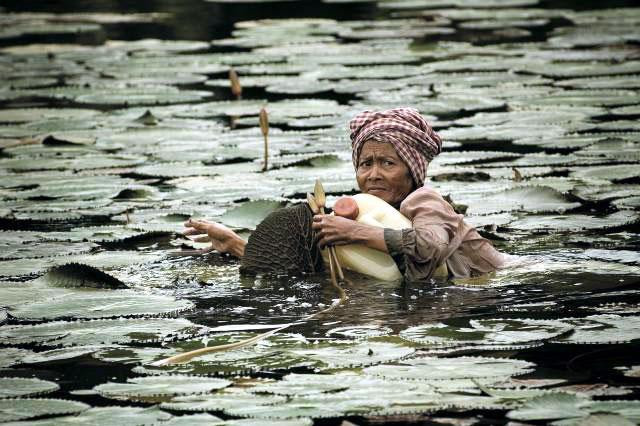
point(438, 235)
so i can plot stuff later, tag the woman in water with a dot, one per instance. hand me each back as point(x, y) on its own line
point(391, 151)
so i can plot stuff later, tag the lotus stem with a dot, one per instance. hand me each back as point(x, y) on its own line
point(236, 88)
point(264, 126)
point(321, 199)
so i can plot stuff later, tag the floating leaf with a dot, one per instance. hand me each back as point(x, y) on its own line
point(428, 368)
point(12, 356)
point(549, 407)
point(101, 304)
point(249, 214)
point(61, 333)
point(24, 408)
point(575, 222)
point(220, 401)
point(605, 328)
point(105, 416)
point(486, 332)
point(140, 388)
point(535, 199)
point(11, 387)
point(360, 332)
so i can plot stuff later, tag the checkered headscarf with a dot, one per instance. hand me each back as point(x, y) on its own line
point(413, 139)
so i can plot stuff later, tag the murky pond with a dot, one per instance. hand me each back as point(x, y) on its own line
point(119, 122)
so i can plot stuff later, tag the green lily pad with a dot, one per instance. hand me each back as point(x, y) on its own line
point(55, 356)
point(486, 332)
point(428, 368)
point(549, 407)
point(12, 356)
point(358, 355)
point(603, 329)
point(628, 203)
point(25, 115)
point(80, 163)
point(249, 214)
point(360, 332)
point(106, 331)
point(220, 401)
point(71, 275)
point(287, 410)
point(105, 416)
point(25, 408)
point(102, 304)
point(534, 199)
point(141, 388)
point(11, 387)
point(575, 222)
point(609, 82)
point(612, 173)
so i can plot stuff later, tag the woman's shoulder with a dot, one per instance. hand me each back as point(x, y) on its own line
point(422, 194)
point(425, 197)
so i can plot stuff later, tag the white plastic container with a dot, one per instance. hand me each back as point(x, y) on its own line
point(357, 257)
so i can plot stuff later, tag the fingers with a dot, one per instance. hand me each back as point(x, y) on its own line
point(206, 250)
point(201, 239)
point(191, 231)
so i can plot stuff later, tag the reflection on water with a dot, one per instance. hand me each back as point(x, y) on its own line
point(554, 282)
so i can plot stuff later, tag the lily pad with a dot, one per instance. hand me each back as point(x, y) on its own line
point(428, 368)
point(486, 332)
point(603, 329)
point(141, 388)
point(24, 408)
point(549, 407)
point(535, 199)
point(61, 333)
point(220, 401)
point(575, 222)
point(11, 387)
point(102, 304)
point(249, 214)
point(105, 416)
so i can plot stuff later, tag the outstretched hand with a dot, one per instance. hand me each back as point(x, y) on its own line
point(221, 237)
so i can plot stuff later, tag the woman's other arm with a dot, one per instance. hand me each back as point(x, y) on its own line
point(222, 238)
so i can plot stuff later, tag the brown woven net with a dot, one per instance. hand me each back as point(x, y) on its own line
point(283, 243)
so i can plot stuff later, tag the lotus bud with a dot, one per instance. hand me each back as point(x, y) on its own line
point(264, 126)
point(236, 88)
point(264, 122)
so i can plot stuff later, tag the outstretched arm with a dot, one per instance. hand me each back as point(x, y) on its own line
point(222, 238)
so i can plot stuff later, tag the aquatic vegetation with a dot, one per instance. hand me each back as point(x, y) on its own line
point(107, 146)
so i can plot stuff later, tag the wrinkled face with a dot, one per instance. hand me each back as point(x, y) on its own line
point(382, 173)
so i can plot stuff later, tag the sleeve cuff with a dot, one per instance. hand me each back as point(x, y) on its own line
point(393, 240)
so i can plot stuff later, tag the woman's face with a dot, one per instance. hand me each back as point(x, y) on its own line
point(382, 173)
